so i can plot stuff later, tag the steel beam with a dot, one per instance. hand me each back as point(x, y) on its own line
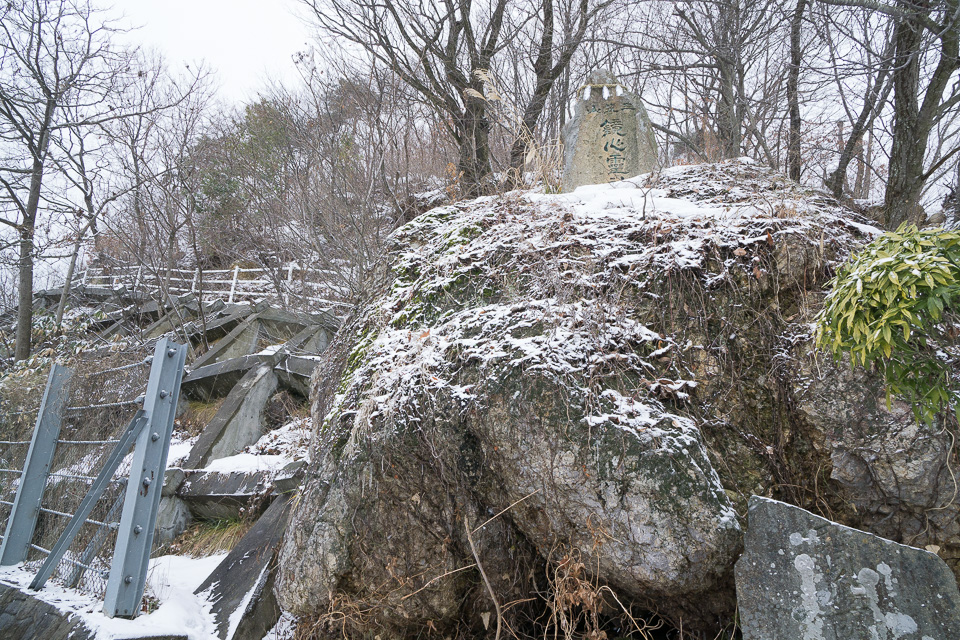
point(131, 559)
point(33, 480)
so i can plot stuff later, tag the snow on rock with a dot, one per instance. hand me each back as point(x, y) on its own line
point(180, 447)
point(616, 370)
point(562, 352)
point(247, 463)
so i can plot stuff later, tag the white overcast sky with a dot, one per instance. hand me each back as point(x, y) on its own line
point(246, 43)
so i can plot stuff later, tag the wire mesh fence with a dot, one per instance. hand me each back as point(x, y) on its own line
point(18, 414)
point(104, 395)
point(105, 392)
point(83, 509)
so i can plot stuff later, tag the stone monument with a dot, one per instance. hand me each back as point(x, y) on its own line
point(610, 137)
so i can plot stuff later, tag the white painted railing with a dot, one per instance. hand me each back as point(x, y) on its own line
point(291, 285)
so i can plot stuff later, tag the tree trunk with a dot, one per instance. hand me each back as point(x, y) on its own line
point(474, 162)
point(854, 144)
point(907, 150)
point(794, 160)
point(531, 116)
point(24, 293)
point(68, 280)
point(728, 116)
point(27, 229)
point(913, 120)
point(861, 172)
point(25, 264)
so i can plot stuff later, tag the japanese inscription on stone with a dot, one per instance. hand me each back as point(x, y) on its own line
point(609, 138)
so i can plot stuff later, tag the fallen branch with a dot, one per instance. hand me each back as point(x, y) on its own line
point(483, 573)
point(492, 518)
point(432, 580)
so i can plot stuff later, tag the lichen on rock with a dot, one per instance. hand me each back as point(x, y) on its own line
point(603, 375)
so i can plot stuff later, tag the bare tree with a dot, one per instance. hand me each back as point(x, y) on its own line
point(438, 48)
point(872, 70)
point(794, 160)
point(925, 58)
point(157, 185)
point(53, 54)
point(315, 177)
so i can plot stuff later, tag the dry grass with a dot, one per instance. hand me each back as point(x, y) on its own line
point(209, 537)
point(198, 415)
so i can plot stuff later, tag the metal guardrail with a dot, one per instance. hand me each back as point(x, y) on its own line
point(148, 433)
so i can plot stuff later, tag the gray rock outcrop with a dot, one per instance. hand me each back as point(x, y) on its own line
point(604, 374)
point(802, 577)
point(609, 138)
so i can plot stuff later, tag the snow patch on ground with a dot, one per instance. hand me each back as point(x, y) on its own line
point(171, 580)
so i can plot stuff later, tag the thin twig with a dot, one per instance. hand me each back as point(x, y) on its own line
point(483, 573)
point(431, 581)
point(505, 510)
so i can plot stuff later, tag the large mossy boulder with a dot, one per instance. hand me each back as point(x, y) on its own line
point(561, 403)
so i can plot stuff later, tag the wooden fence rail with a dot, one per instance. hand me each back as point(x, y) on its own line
point(290, 285)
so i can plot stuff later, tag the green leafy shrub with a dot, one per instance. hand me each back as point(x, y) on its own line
point(893, 306)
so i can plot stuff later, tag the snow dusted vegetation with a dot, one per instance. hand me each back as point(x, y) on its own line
point(477, 279)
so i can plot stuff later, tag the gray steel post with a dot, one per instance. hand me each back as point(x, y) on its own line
point(26, 506)
point(131, 558)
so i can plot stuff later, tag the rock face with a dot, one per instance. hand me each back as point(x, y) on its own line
point(610, 137)
point(591, 384)
point(23, 617)
point(804, 577)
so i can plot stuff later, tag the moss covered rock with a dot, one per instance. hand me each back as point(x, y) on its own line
point(563, 401)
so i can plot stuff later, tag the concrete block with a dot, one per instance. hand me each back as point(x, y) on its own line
point(25, 617)
point(220, 496)
point(216, 326)
point(294, 374)
point(249, 569)
point(239, 421)
point(217, 379)
point(290, 477)
point(241, 341)
point(173, 518)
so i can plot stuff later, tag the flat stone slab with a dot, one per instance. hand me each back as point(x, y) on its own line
point(245, 577)
point(24, 617)
point(239, 421)
point(218, 379)
point(212, 495)
point(802, 577)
